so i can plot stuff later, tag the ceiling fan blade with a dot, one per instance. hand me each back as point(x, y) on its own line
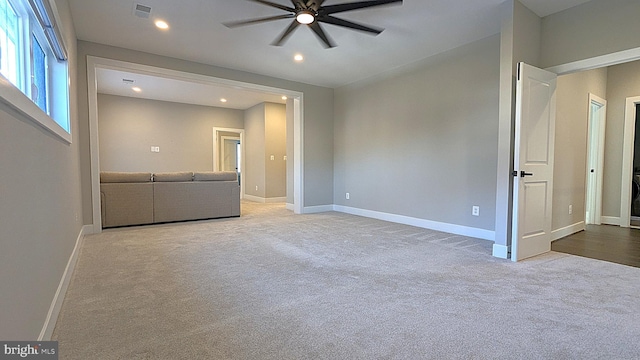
point(333, 9)
point(233, 24)
point(348, 24)
point(286, 33)
point(277, 6)
point(317, 29)
point(314, 4)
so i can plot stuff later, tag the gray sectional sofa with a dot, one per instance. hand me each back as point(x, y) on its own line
point(137, 198)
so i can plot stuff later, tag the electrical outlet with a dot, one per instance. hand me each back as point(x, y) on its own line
point(256, 187)
point(273, 157)
point(347, 196)
point(475, 211)
point(570, 209)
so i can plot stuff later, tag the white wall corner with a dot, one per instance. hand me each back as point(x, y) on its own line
point(500, 251)
point(58, 298)
point(290, 207)
point(567, 230)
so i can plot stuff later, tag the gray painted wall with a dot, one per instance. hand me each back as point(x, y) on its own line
point(421, 141)
point(39, 200)
point(276, 146)
point(570, 167)
point(623, 81)
point(519, 42)
point(265, 129)
point(317, 114)
point(254, 176)
point(128, 127)
point(592, 29)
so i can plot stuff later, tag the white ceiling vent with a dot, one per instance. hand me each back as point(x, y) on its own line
point(141, 11)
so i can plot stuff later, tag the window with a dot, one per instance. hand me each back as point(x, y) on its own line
point(34, 60)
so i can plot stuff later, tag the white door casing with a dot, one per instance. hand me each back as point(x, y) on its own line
point(533, 162)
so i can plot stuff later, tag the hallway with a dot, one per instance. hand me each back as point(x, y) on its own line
point(609, 243)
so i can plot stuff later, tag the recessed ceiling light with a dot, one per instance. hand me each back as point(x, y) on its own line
point(136, 89)
point(161, 24)
point(298, 57)
point(284, 98)
point(223, 100)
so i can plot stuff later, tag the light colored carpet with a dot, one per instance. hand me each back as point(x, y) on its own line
point(273, 285)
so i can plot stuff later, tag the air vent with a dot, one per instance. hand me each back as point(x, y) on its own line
point(142, 11)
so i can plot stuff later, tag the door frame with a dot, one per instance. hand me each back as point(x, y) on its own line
point(216, 150)
point(593, 214)
point(94, 63)
point(627, 159)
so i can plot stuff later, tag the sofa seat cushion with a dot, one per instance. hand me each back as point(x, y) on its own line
point(215, 176)
point(124, 177)
point(173, 176)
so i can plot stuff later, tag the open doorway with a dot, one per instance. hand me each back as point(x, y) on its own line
point(228, 152)
point(295, 101)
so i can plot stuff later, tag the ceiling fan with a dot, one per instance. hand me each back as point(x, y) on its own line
point(311, 13)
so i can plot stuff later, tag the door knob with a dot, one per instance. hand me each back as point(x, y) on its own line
point(523, 174)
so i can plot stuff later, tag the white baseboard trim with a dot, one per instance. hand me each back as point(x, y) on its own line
point(290, 207)
point(317, 209)
point(422, 223)
point(567, 230)
point(501, 251)
point(264, 200)
point(58, 298)
point(610, 220)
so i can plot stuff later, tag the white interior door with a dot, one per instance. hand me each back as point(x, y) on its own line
point(533, 162)
point(595, 159)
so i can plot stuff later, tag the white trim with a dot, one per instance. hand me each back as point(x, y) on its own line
point(597, 62)
point(93, 63)
point(500, 251)
point(422, 223)
point(627, 159)
point(18, 101)
point(567, 230)
point(58, 298)
point(262, 200)
point(610, 220)
point(318, 209)
point(289, 206)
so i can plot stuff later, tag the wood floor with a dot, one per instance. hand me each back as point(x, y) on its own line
point(605, 242)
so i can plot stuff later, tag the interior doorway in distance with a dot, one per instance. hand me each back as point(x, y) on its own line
point(630, 164)
point(228, 152)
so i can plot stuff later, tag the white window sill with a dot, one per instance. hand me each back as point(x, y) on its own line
point(14, 98)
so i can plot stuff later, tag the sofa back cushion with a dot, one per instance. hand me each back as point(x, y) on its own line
point(124, 177)
point(215, 176)
point(173, 176)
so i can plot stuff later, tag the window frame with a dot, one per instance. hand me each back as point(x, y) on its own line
point(57, 79)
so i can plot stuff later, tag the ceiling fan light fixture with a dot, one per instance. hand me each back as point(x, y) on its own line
point(305, 17)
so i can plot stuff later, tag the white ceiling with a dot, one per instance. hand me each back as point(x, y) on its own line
point(165, 89)
point(414, 30)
